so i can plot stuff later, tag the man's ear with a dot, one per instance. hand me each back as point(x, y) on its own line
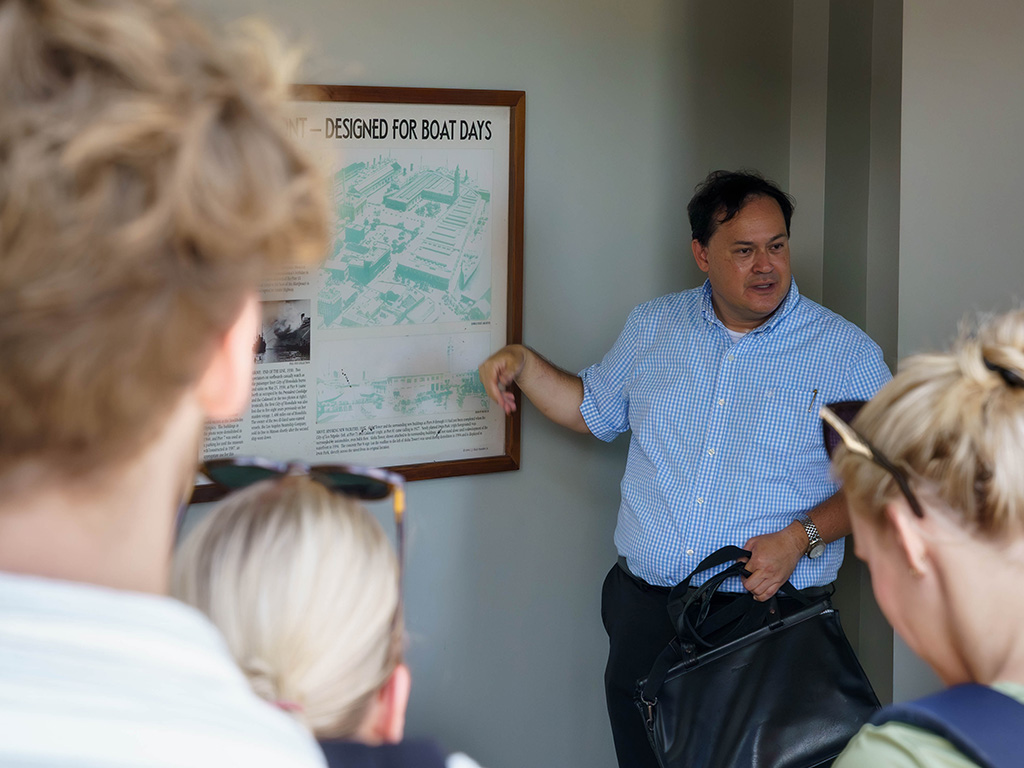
point(224, 387)
point(906, 526)
point(700, 255)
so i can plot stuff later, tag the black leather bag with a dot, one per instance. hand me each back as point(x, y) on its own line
point(753, 685)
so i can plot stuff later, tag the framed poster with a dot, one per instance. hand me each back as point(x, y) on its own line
point(372, 357)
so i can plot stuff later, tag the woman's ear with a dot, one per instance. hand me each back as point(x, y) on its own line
point(224, 388)
point(909, 538)
point(396, 695)
point(385, 723)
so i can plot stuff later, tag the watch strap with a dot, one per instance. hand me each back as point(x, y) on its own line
point(813, 536)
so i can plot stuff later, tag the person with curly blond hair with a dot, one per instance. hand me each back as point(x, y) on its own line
point(147, 188)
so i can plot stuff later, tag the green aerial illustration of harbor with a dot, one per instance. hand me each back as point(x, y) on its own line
point(412, 240)
point(350, 388)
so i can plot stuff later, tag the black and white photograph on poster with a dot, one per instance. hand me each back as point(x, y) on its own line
point(284, 335)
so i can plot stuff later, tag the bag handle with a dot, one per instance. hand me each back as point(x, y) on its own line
point(720, 556)
point(689, 607)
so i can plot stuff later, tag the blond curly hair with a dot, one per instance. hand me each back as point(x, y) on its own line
point(147, 186)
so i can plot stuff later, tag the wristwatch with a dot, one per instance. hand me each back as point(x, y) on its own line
point(815, 546)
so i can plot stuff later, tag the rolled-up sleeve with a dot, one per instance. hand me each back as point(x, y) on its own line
point(605, 406)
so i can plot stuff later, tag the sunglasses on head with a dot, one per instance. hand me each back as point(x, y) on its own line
point(366, 483)
point(835, 422)
point(363, 483)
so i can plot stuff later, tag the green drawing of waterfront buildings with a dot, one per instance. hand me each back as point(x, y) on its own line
point(411, 246)
point(339, 399)
point(345, 393)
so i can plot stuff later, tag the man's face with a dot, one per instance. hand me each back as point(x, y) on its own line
point(747, 262)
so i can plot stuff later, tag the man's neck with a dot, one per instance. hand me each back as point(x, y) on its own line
point(738, 325)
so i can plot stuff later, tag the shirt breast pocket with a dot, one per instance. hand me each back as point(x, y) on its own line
point(787, 434)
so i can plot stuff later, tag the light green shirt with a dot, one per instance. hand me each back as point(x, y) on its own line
point(897, 745)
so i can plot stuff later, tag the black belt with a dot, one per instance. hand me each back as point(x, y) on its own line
point(621, 562)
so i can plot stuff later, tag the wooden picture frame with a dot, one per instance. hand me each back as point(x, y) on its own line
point(370, 355)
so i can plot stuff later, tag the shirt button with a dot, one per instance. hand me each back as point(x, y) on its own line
point(721, 401)
point(711, 451)
point(689, 551)
point(731, 357)
point(700, 499)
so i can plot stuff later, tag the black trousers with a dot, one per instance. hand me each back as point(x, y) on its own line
point(635, 616)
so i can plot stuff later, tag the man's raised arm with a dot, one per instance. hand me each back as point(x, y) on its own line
point(556, 393)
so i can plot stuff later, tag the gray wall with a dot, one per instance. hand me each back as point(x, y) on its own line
point(808, 142)
point(962, 166)
point(861, 238)
point(847, 159)
point(628, 106)
point(962, 182)
point(844, 161)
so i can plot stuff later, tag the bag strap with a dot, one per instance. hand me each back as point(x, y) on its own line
point(665, 661)
point(985, 725)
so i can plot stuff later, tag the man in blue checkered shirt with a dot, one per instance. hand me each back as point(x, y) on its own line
point(720, 387)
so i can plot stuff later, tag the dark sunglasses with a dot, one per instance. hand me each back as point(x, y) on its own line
point(364, 483)
point(835, 422)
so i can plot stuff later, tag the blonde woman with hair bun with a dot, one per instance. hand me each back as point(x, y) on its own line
point(933, 469)
point(305, 587)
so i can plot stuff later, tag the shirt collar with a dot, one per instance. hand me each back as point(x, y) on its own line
point(788, 304)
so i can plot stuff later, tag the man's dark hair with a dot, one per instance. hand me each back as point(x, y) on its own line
point(721, 196)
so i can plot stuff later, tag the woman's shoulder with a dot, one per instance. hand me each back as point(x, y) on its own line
point(1011, 689)
point(900, 745)
point(897, 745)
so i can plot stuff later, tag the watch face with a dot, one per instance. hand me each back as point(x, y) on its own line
point(817, 550)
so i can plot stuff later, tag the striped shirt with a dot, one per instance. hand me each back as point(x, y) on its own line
point(726, 441)
point(92, 677)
